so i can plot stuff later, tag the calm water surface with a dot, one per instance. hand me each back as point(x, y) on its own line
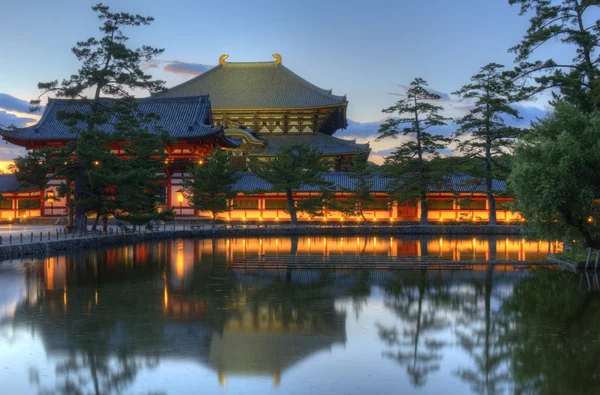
point(179, 317)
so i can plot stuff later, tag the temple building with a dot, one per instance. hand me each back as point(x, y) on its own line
point(249, 109)
point(269, 106)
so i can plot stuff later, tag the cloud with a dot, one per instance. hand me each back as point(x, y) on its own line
point(10, 119)
point(187, 68)
point(528, 113)
point(8, 152)
point(11, 103)
point(443, 95)
point(367, 133)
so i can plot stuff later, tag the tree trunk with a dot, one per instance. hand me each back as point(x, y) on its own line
point(424, 210)
point(96, 221)
point(105, 224)
point(488, 184)
point(291, 207)
point(77, 195)
point(70, 212)
point(488, 325)
point(492, 208)
point(423, 244)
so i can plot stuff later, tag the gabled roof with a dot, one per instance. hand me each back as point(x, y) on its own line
point(328, 145)
point(182, 117)
point(255, 85)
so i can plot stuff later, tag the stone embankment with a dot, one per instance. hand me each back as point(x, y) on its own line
point(77, 243)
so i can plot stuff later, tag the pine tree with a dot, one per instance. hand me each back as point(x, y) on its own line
point(573, 23)
point(361, 173)
point(483, 134)
point(293, 167)
point(410, 168)
point(211, 185)
point(108, 68)
point(138, 185)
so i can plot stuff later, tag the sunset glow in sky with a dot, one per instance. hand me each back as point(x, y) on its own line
point(365, 50)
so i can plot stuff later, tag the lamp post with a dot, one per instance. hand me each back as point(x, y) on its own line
point(50, 199)
point(180, 200)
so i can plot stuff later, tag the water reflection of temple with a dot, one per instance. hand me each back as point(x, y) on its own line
point(178, 298)
point(160, 301)
point(471, 248)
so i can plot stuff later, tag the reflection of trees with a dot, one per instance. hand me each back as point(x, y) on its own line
point(555, 328)
point(416, 299)
point(109, 315)
point(106, 345)
point(105, 375)
point(479, 333)
point(296, 303)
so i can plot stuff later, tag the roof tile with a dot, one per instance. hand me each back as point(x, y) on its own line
point(255, 85)
point(182, 117)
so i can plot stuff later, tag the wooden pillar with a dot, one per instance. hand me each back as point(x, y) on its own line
point(169, 189)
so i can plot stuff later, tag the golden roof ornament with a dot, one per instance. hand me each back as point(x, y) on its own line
point(277, 61)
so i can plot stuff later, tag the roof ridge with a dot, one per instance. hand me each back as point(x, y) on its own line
point(251, 64)
point(326, 92)
point(44, 118)
point(136, 99)
point(211, 70)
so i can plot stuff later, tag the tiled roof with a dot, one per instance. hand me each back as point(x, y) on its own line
point(323, 142)
point(458, 183)
point(255, 85)
point(9, 183)
point(464, 183)
point(249, 182)
point(186, 117)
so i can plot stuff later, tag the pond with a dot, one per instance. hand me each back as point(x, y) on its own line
point(180, 316)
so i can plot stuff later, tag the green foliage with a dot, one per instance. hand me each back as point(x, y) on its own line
point(210, 188)
point(166, 215)
point(137, 185)
point(553, 330)
point(572, 23)
point(361, 173)
point(556, 176)
point(31, 170)
point(412, 167)
point(294, 166)
point(95, 180)
point(483, 134)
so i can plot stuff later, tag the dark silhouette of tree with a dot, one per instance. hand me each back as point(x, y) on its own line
point(479, 332)
point(416, 299)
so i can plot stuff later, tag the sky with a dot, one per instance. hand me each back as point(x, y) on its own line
point(365, 50)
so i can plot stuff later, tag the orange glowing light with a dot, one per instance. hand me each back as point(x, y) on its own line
point(179, 197)
point(179, 259)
